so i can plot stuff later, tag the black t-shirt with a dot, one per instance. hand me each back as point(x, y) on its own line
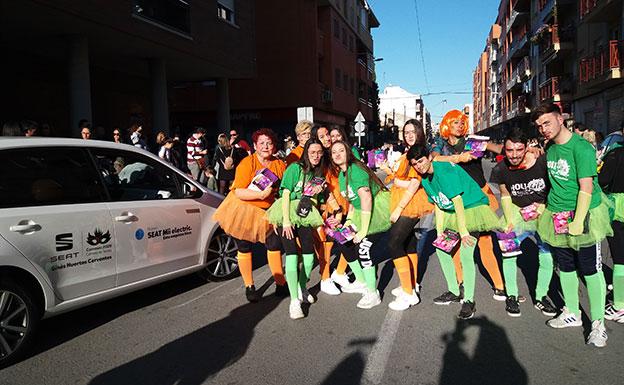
point(611, 177)
point(474, 168)
point(525, 186)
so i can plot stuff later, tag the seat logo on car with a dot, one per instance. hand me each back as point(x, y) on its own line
point(98, 237)
point(64, 242)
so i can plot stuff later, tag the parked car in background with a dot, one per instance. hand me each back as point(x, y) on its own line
point(84, 221)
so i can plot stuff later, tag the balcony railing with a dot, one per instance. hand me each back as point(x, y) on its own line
point(550, 89)
point(605, 60)
point(586, 6)
point(543, 3)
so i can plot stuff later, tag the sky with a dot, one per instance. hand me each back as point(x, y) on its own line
point(453, 35)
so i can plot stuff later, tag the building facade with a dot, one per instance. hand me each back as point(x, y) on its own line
point(310, 53)
point(106, 61)
point(567, 52)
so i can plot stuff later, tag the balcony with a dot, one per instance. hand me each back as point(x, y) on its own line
point(553, 41)
point(519, 47)
point(518, 108)
point(554, 89)
point(515, 18)
point(598, 11)
point(603, 66)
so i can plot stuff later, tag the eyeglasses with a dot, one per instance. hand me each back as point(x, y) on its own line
point(116, 134)
point(233, 134)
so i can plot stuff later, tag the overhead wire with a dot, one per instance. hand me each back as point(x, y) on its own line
point(422, 55)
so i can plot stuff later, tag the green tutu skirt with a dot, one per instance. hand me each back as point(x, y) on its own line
point(478, 219)
point(599, 228)
point(618, 206)
point(274, 215)
point(380, 218)
point(520, 225)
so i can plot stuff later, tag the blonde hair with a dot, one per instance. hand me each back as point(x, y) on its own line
point(223, 141)
point(302, 126)
point(160, 138)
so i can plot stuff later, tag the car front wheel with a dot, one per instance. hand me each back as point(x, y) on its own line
point(19, 318)
point(221, 263)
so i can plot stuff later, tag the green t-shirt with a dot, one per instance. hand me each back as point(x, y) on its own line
point(356, 153)
point(358, 178)
point(567, 163)
point(449, 181)
point(294, 180)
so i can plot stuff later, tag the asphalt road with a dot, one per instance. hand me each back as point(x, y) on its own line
point(191, 332)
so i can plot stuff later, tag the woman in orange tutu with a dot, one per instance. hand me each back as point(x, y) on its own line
point(408, 202)
point(450, 148)
point(242, 213)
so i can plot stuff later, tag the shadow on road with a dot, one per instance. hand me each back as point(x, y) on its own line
point(351, 369)
point(493, 360)
point(195, 357)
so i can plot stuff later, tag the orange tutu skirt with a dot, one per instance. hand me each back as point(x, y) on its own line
point(242, 220)
point(418, 206)
point(491, 197)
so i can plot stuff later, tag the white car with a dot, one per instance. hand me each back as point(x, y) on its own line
point(84, 221)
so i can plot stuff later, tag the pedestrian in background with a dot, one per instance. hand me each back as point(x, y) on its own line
point(11, 129)
point(196, 151)
point(29, 128)
point(225, 159)
point(117, 135)
point(211, 180)
point(237, 142)
point(85, 133)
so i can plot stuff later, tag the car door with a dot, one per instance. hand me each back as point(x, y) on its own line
point(53, 210)
point(156, 229)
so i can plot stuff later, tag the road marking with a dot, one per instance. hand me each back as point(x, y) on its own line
point(201, 295)
point(378, 357)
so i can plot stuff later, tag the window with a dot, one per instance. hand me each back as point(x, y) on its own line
point(48, 176)
point(133, 177)
point(170, 13)
point(338, 78)
point(336, 29)
point(225, 10)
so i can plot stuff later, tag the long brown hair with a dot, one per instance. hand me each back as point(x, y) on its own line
point(420, 139)
point(353, 161)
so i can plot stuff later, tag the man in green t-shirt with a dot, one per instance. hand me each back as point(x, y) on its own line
point(571, 162)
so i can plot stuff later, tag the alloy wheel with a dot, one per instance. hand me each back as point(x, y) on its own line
point(14, 322)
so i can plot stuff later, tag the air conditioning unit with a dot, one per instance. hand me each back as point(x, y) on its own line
point(327, 96)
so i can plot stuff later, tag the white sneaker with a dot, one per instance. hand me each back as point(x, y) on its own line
point(565, 320)
point(355, 287)
point(369, 300)
point(398, 290)
point(295, 309)
point(614, 315)
point(305, 296)
point(404, 301)
point(340, 279)
point(598, 335)
point(329, 287)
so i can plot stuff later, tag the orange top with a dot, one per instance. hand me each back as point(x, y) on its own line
point(294, 155)
point(248, 168)
point(419, 205)
point(334, 188)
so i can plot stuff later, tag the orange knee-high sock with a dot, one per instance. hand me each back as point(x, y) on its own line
point(342, 265)
point(402, 266)
point(245, 267)
point(486, 247)
point(413, 259)
point(275, 264)
point(458, 267)
point(324, 260)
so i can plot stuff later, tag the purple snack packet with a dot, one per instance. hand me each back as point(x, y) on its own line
point(310, 185)
point(476, 144)
point(529, 212)
point(370, 159)
point(263, 179)
point(380, 158)
point(561, 221)
point(447, 240)
point(508, 243)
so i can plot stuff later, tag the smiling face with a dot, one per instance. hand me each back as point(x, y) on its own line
point(323, 137)
point(264, 147)
point(409, 134)
point(339, 154)
point(549, 125)
point(515, 152)
point(421, 165)
point(315, 154)
point(303, 137)
point(335, 136)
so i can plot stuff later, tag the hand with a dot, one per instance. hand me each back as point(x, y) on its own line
point(264, 194)
point(465, 157)
point(509, 228)
point(287, 232)
point(468, 240)
point(575, 228)
point(395, 214)
point(537, 151)
point(318, 189)
point(333, 221)
point(359, 237)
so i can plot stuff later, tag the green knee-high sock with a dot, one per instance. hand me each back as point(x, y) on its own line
point(356, 268)
point(292, 262)
point(370, 276)
point(448, 269)
point(466, 255)
point(510, 269)
point(597, 293)
point(544, 275)
point(304, 274)
point(618, 286)
point(569, 287)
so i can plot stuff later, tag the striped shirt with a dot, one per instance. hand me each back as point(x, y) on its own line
point(193, 146)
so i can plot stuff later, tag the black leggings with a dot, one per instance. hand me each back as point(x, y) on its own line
point(362, 251)
point(587, 260)
point(272, 243)
point(402, 237)
point(616, 242)
point(306, 238)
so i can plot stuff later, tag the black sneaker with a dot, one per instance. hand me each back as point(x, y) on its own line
point(512, 306)
point(281, 290)
point(467, 310)
point(461, 290)
point(446, 298)
point(252, 294)
point(499, 295)
point(546, 307)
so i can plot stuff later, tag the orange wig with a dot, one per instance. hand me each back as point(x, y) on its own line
point(448, 119)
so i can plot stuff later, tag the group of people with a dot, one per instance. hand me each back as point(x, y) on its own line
point(323, 201)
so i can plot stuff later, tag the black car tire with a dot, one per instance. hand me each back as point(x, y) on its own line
point(221, 262)
point(18, 310)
